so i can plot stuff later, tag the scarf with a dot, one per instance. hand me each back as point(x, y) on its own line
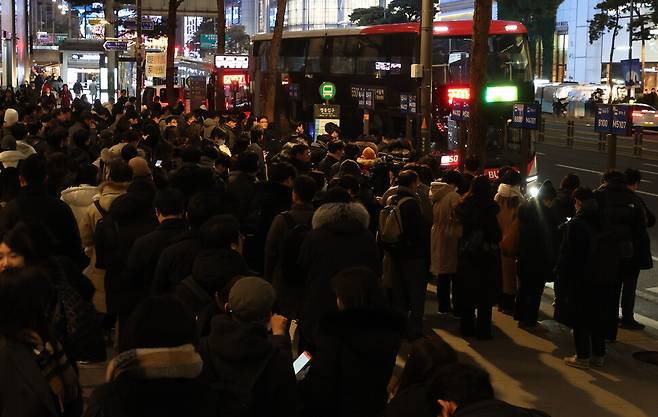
point(55, 367)
point(155, 363)
point(509, 191)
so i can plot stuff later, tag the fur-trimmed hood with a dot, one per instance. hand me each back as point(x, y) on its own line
point(341, 217)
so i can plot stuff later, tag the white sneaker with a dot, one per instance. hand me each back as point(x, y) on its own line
point(576, 362)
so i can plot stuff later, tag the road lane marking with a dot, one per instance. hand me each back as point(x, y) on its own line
point(579, 169)
point(650, 165)
point(540, 153)
point(601, 173)
point(649, 172)
point(652, 289)
point(646, 193)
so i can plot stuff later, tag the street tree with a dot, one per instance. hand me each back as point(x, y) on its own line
point(477, 132)
point(237, 40)
point(607, 19)
point(397, 11)
point(273, 64)
point(171, 50)
point(540, 19)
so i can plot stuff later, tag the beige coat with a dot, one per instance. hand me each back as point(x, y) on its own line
point(508, 221)
point(446, 230)
point(109, 191)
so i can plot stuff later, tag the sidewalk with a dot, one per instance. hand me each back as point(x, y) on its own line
point(527, 369)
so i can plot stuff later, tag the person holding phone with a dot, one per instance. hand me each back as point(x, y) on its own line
point(355, 352)
point(250, 370)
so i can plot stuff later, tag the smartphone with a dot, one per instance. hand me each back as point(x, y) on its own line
point(301, 362)
point(158, 163)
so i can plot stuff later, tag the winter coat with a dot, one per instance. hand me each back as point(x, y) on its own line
point(446, 230)
point(191, 179)
point(340, 239)
point(175, 262)
point(326, 164)
point(538, 241)
point(410, 401)
point(107, 193)
point(232, 354)
point(137, 278)
point(24, 391)
point(270, 199)
point(211, 273)
point(496, 408)
point(509, 226)
point(423, 192)
point(208, 126)
point(135, 218)
point(79, 198)
point(624, 211)
point(415, 238)
point(129, 396)
point(289, 295)
point(564, 205)
point(584, 301)
point(353, 363)
point(642, 254)
point(33, 205)
point(240, 193)
point(479, 266)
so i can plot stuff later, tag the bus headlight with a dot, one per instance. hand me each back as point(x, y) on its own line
point(533, 191)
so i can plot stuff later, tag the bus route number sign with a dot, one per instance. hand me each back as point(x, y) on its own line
point(622, 121)
point(327, 91)
point(602, 118)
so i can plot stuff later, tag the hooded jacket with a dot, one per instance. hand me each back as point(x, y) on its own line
point(340, 239)
point(446, 229)
point(79, 198)
point(351, 369)
point(233, 354)
point(211, 272)
point(106, 195)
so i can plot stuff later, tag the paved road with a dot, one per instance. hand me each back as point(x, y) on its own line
point(585, 138)
point(556, 161)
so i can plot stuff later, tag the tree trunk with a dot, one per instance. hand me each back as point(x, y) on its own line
point(477, 138)
point(273, 64)
point(221, 50)
point(612, 53)
point(172, 99)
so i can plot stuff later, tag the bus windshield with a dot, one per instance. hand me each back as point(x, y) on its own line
point(508, 59)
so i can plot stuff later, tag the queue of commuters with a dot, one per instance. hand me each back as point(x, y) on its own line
point(204, 249)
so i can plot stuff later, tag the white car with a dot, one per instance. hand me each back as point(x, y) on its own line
point(644, 115)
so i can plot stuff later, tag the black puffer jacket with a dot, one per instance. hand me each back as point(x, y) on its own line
point(211, 272)
point(340, 239)
point(354, 359)
point(538, 240)
point(235, 351)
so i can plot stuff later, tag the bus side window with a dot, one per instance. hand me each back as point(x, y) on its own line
point(341, 53)
point(370, 50)
point(293, 51)
point(315, 55)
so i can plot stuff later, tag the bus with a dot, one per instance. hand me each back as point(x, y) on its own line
point(379, 59)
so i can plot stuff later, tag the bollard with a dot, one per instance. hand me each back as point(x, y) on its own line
point(570, 133)
point(602, 142)
point(638, 138)
point(612, 151)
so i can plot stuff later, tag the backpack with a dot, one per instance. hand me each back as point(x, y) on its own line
point(106, 239)
point(236, 398)
point(390, 222)
point(603, 256)
point(292, 243)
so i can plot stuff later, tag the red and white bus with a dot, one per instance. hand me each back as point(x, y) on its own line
point(379, 59)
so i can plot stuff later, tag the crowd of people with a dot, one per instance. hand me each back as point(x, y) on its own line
point(204, 248)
